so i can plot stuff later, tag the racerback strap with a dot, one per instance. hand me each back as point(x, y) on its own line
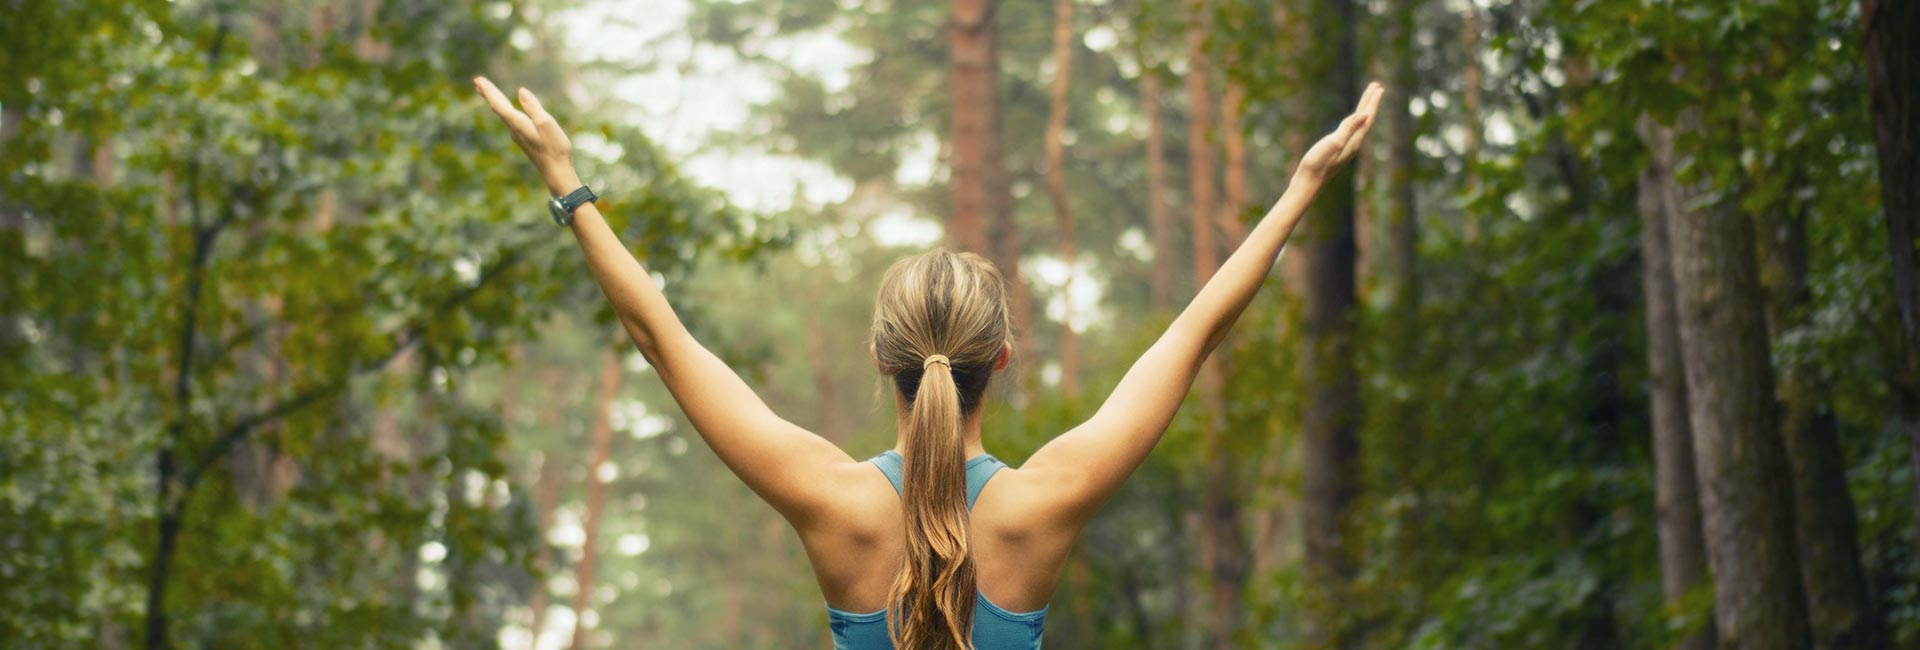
point(980, 469)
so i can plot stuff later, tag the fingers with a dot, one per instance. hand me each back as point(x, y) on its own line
point(501, 107)
point(1370, 99)
point(1361, 122)
point(532, 105)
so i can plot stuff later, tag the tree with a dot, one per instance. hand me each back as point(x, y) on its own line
point(1159, 220)
point(974, 134)
point(1747, 511)
point(597, 464)
point(1057, 186)
point(1683, 553)
point(1330, 444)
point(1839, 610)
point(1892, 75)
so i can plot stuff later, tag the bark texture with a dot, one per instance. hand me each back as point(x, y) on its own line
point(1893, 87)
point(1057, 185)
point(1745, 481)
point(602, 438)
point(1683, 550)
point(1330, 444)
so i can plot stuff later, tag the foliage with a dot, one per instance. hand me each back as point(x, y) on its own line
point(280, 244)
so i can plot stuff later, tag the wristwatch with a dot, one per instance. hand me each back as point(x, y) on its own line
point(562, 207)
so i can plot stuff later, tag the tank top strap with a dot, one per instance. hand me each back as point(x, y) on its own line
point(980, 469)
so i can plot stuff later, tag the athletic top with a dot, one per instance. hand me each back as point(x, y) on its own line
point(993, 628)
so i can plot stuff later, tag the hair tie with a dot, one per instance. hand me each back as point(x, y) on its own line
point(939, 359)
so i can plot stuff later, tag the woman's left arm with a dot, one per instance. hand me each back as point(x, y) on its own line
point(778, 460)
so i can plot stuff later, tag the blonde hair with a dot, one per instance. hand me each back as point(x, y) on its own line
point(939, 324)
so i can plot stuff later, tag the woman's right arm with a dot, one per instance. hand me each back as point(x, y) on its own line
point(780, 461)
point(1087, 464)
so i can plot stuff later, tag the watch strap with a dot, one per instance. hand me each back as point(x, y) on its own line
point(578, 197)
point(562, 207)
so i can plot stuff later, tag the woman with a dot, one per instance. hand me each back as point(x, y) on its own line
point(926, 552)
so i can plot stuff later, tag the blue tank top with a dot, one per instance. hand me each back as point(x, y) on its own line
point(993, 628)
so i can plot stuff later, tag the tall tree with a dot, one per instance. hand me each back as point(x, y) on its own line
point(1747, 511)
point(1683, 551)
point(1893, 86)
point(1839, 610)
point(1057, 186)
point(1402, 222)
point(974, 131)
point(602, 438)
point(1159, 218)
point(1233, 140)
point(1330, 444)
point(1200, 163)
point(983, 220)
point(1222, 539)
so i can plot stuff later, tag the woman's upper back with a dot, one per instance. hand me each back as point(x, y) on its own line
point(1018, 563)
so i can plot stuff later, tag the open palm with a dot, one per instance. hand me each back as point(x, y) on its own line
point(538, 135)
point(1330, 153)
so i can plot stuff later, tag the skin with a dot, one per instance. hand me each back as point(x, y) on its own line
point(846, 513)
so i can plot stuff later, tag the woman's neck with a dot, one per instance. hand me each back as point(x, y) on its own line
point(969, 428)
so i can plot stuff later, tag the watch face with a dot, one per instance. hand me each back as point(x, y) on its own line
point(558, 210)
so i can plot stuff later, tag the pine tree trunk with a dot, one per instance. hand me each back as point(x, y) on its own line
point(1683, 551)
point(1739, 459)
point(546, 501)
point(974, 77)
point(1200, 172)
point(1159, 218)
point(1330, 444)
point(1233, 139)
point(1057, 186)
point(1893, 85)
point(1222, 538)
point(1470, 105)
point(596, 491)
point(826, 389)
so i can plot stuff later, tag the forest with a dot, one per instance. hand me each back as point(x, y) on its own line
point(1610, 338)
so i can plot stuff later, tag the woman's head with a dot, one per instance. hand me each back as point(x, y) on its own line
point(945, 303)
point(940, 328)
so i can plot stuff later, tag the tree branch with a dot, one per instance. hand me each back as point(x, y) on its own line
point(409, 336)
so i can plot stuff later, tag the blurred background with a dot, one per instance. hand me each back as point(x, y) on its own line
point(1601, 344)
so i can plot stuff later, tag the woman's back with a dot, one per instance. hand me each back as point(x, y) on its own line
point(994, 626)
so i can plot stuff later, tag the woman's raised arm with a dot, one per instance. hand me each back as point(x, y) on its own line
point(1091, 461)
point(779, 460)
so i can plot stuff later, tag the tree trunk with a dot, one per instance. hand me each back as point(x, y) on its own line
point(1739, 458)
point(1159, 218)
point(1827, 531)
point(546, 501)
point(826, 389)
point(1683, 552)
point(1470, 107)
point(983, 190)
point(1233, 139)
point(1330, 445)
point(1057, 186)
point(975, 130)
point(1199, 144)
point(1222, 538)
point(1403, 229)
point(546, 498)
point(596, 490)
point(1893, 86)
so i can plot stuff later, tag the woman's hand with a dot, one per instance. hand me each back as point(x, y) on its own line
point(537, 134)
point(1327, 156)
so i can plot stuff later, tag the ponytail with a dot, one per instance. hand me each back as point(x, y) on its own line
point(933, 596)
point(940, 328)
